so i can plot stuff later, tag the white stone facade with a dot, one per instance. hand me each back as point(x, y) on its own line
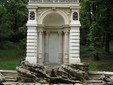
point(53, 32)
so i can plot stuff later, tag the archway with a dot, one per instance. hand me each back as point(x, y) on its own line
point(53, 38)
point(56, 11)
point(53, 19)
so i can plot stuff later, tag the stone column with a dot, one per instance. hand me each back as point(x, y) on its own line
point(65, 50)
point(60, 47)
point(40, 55)
point(46, 48)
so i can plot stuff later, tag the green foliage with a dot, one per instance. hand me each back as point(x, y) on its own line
point(95, 35)
point(103, 65)
point(13, 15)
point(106, 60)
point(95, 39)
point(96, 18)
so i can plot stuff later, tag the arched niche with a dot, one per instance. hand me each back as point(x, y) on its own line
point(53, 19)
point(58, 13)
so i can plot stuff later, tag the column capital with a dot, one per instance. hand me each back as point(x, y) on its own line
point(66, 30)
point(47, 32)
point(59, 32)
point(41, 25)
point(40, 30)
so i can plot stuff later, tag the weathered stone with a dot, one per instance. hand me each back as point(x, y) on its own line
point(38, 73)
point(106, 79)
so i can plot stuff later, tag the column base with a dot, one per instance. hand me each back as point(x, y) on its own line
point(32, 60)
point(40, 60)
point(66, 59)
point(74, 61)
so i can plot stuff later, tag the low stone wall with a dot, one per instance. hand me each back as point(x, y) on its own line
point(96, 74)
point(8, 83)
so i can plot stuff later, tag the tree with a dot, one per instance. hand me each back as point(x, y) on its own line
point(100, 12)
point(13, 15)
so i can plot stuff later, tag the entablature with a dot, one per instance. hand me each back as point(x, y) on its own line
point(55, 1)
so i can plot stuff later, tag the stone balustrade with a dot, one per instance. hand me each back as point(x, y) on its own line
point(55, 1)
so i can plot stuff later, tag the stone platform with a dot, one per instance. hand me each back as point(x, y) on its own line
point(11, 75)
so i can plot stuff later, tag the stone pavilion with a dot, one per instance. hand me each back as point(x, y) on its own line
point(53, 32)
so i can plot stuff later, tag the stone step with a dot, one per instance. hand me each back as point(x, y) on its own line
point(13, 83)
point(10, 80)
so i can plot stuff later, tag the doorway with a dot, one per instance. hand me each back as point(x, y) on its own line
point(53, 48)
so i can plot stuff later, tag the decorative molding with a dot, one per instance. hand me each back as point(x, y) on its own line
point(66, 26)
point(32, 7)
point(40, 30)
point(53, 8)
point(40, 26)
point(75, 8)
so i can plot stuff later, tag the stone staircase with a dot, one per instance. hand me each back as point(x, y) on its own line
point(8, 75)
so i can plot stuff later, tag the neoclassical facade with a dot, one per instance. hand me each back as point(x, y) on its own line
point(53, 32)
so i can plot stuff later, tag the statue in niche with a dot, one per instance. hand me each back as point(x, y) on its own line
point(75, 16)
point(32, 15)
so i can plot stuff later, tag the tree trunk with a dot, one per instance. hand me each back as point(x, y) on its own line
point(107, 41)
point(107, 33)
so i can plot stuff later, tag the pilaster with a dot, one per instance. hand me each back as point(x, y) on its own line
point(65, 50)
point(32, 36)
point(74, 44)
point(46, 47)
point(32, 45)
point(74, 40)
point(40, 47)
point(60, 59)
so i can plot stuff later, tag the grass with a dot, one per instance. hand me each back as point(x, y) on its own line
point(10, 58)
point(8, 65)
point(104, 64)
